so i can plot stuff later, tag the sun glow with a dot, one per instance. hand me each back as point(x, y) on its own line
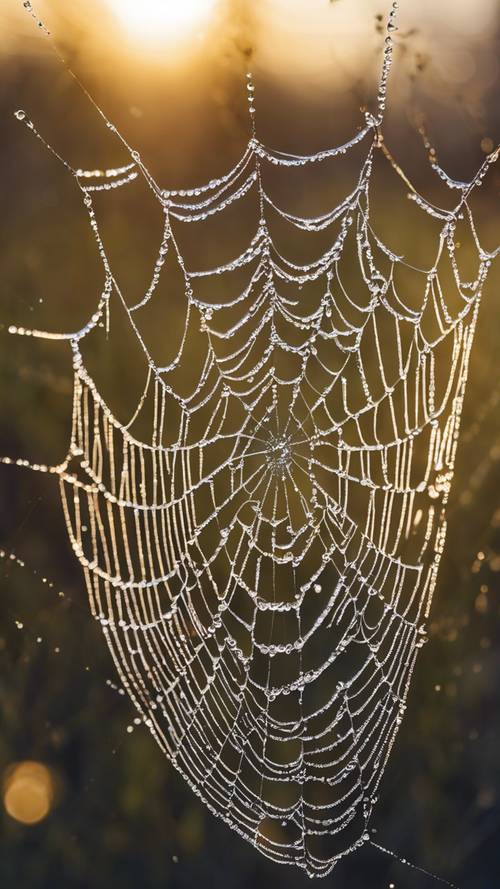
point(160, 20)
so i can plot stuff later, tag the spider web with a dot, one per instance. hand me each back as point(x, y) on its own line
point(263, 563)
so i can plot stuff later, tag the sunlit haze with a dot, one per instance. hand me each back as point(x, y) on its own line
point(161, 20)
point(293, 36)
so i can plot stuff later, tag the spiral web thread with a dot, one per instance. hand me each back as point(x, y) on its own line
point(263, 564)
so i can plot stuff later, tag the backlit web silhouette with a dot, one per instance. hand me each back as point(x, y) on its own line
point(263, 562)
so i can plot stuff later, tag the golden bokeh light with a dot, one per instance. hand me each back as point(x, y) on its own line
point(158, 21)
point(28, 792)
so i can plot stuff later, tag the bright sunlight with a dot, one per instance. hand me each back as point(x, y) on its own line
point(160, 20)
